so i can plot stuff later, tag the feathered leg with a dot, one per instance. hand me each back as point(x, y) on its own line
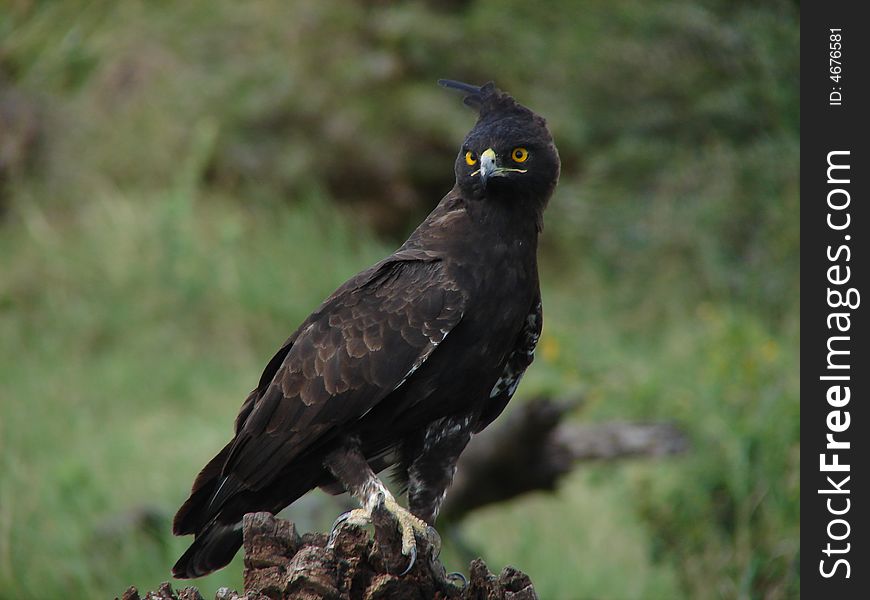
point(350, 467)
point(432, 471)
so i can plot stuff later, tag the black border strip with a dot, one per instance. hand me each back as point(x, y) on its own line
point(834, 260)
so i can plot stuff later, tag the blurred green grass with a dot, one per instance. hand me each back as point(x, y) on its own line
point(180, 184)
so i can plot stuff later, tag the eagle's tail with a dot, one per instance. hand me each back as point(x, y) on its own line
point(194, 514)
point(216, 507)
point(215, 543)
point(213, 548)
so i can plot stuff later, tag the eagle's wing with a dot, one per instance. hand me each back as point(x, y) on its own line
point(359, 346)
point(516, 364)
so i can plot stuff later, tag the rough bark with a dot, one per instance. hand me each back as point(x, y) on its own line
point(279, 564)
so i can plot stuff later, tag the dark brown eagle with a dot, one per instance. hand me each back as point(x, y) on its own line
point(405, 361)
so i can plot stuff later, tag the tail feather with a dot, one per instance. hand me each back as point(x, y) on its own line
point(214, 514)
point(212, 549)
point(192, 516)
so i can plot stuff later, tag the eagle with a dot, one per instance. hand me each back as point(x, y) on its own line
point(402, 364)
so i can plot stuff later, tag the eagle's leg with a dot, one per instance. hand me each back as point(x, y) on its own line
point(431, 472)
point(350, 467)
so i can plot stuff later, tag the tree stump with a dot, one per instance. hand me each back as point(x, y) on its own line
point(282, 565)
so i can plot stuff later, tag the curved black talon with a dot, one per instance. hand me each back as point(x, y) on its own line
point(452, 578)
point(411, 564)
point(434, 539)
point(333, 533)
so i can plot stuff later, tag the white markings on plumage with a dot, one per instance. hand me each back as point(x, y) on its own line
point(430, 475)
point(217, 491)
point(513, 369)
point(533, 327)
point(508, 382)
point(370, 492)
point(438, 431)
point(433, 343)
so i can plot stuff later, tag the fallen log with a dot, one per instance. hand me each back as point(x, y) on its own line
point(534, 446)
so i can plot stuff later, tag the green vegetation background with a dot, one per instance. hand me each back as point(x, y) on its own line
point(182, 182)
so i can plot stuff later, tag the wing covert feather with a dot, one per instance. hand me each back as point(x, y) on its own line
point(361, 344)
point(515, 366)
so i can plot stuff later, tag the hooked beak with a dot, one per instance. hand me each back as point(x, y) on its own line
point(487, 165)
point(489, 168)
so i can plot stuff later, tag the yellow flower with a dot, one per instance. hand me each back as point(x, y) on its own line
point(550, 348)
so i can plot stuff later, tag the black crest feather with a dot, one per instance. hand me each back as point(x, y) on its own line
point(487, 99)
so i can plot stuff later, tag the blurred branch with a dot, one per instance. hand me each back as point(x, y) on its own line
point(532, 448)
point(279, 564)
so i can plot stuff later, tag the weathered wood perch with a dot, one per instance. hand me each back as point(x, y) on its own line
point(279, 564)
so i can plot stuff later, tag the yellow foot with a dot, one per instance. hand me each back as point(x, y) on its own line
point(409, 526)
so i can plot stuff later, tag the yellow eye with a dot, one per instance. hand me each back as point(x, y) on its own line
point(470, 158)
point(519, 154)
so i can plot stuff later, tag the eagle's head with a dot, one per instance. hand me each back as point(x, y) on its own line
point(509, 154)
